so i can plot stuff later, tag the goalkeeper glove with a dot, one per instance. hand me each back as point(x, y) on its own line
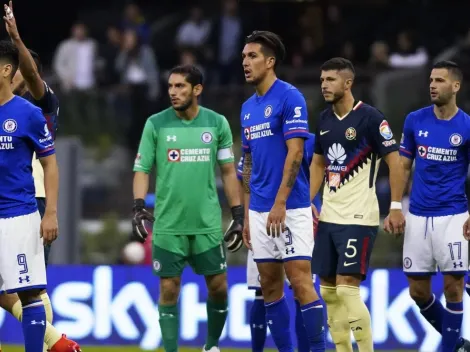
point(234, 234)
point(140, 215)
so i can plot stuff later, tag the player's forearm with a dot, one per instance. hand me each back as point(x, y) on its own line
point(51, 185)
point(289, 176)
point(141, 185)
point(397, 177)
point(230, 181)
point(28, 69)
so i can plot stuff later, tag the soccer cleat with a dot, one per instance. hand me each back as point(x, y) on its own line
point(463, 345)
point(213, 349)
point(65, 345)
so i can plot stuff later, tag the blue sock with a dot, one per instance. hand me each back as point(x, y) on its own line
point(34, 326)
point(277, 318)
point(433, 311)
point(451, 325)
point(258, 324)
point(314, 324)
point(303, 345)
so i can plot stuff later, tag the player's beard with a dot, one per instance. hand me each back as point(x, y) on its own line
point(442, 99)
point(336, 97)
point(184, 106)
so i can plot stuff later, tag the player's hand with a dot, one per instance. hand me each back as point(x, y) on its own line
point(276, 220)
point(138, 221)
point(10, 22)
point(233, 237)
point(396, 222)
point(49, 228)
point(466, 229)
point(387, 224)
point(246, 234)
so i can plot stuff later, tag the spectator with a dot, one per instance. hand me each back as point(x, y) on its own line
point(408, 53)
point(108, 54)
point(134, 20)
point(195, 31)
point(379, 60)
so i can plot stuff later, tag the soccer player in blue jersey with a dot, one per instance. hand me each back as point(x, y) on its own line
point(258, 311)
point(351, 139)
point(437, 139)
point(28, 84)
point(22, 269)
point(278, 225)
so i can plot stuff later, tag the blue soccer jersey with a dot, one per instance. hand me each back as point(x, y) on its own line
point(268, 121)
point(440, 149)
point(308, 150)
point(24, 131)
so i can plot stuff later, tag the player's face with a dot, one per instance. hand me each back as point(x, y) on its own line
point(442, 86)
point(333, 85)
point(255, 64)
point(182, 93)
point(18, 83)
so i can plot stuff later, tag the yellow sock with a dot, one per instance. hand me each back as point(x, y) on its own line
point(47, 307)
point(358, 315)
point(17, 310)
point(51, 336)
point(338, 323)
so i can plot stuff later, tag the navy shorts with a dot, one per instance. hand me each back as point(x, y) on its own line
point(41, 202)
point(342, 249)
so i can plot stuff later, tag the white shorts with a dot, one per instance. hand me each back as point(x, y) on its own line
point(21, 254)
point(294, 244)
point(432, 242)
point(252, 274)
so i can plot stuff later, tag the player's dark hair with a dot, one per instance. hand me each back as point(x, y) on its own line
point(452, 67)
point(271, 44)
point(9, 55)
point(36, 59)
point(190, 72)
point(338, 64)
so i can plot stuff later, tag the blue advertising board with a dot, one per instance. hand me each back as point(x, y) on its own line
point(116, 305)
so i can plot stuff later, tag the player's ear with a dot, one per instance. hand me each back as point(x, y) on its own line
point(7, 70)
point(348, 83)
point(197, 90)
point(456, 86)
point(271, 62)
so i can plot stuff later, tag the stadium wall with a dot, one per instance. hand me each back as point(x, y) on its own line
point(116, 305)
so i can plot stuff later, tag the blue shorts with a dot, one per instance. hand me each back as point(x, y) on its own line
point(342, 249)
point(41, 202)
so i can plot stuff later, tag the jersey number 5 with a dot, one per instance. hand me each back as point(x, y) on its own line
point(351, 250)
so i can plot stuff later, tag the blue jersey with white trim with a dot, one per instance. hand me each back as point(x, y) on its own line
point(268, 121)
point(441, 151)
point(308, 149)
point(24, 131)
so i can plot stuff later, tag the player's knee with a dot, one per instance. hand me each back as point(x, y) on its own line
point(217, 287)
point(328, 293)
point(453, 288)
point(420, 294)
point(272, 288)
point(169, 290)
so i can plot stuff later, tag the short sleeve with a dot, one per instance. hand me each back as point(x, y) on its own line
point(225, 135)
point(39, 134)
point(381, 134)
point(295, 116)
point(407, 143)
point(147, 148)
point(240, 167)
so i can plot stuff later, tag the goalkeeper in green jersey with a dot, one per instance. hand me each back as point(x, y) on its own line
point(185, 142)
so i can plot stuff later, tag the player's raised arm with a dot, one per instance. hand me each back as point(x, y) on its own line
point(143, 165)
point(27, 66)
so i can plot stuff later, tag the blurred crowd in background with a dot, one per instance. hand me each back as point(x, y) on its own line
point(111, 71)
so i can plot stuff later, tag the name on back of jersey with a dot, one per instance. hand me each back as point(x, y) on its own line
point(258, 131)
point(437, 154)
point(189, 155)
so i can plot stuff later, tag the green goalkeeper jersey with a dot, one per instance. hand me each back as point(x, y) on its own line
point(185, 154)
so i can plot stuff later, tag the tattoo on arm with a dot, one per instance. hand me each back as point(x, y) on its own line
point(293, 171)
point(247, 165)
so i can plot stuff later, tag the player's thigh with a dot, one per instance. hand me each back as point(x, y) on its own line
point(324, 258)
point(41, 203)
point(418, 254)
point(207, 254)
point(449, 245)
point(296, 243)
point(252, 273)
point(169, 254)
point(22, 265)
point(264, 247)
point(354, 244)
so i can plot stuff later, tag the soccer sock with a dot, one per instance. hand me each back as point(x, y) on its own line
point(338, 323)
point(314, 324)
point(277, 318)
point(433, 311)
point(451, 325)
point(303, 345)
point(216, 317)
point(258, 323)
point(34, 326)
point(169, 326)
point(358, 315)
point(47, 307)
